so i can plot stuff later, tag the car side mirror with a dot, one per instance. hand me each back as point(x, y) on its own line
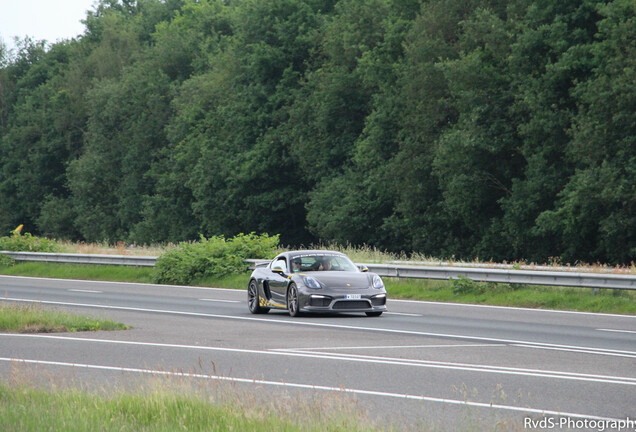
point(364, 269)
point(279, 271)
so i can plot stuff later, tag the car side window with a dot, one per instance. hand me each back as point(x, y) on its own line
point(280, 264)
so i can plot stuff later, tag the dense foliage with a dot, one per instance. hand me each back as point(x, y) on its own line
point(6, 261)
point(498, 129)
point(28, 243)
point(214, 257)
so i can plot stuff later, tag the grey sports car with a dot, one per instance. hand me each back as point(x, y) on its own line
point(315, 281)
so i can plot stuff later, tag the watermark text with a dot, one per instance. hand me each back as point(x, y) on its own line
point(568, 423)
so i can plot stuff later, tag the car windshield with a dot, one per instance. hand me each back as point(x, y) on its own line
point(307, 263)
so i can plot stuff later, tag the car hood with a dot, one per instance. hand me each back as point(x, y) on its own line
point(340, 279)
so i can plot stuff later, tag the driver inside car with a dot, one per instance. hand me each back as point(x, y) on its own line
point(296, 265)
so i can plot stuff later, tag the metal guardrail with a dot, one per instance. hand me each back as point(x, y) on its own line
point(530, 277)
point(498, 275)
point(480, 274)
point(129, 260)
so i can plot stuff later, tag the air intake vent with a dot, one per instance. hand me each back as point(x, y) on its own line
point(357, 304)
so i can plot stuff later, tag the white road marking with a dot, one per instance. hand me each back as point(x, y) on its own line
point(85, 291)
point(469, 305)
point(535, 373)
point(617, 331)
point(540, 411)
point(388, 347)
point(578, 350)
point(326, 325)
point(485, 368)
point(404, 314)
point(220, 301)
point(126, 283)
point(388, 300)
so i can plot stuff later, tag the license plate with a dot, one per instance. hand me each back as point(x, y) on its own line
point(353, 296)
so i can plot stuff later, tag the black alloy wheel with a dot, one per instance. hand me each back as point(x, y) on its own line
point(292, 300)
point(253, 299)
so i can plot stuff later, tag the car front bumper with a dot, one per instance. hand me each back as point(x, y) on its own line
point(360, 300)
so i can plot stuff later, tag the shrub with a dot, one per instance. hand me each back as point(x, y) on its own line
point(216, 257)
point(6, 261)
point(492, 287)
point(28, 243)
point(463, 285)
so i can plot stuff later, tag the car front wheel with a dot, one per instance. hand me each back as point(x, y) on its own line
point(292, 300)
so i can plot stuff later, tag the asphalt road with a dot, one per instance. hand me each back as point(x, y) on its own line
point(421, 365)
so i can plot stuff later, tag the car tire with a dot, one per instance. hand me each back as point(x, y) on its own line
point(292, 300)
point(373, 314)
point(253, 299)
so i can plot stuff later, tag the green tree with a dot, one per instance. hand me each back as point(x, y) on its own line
point(595, 215)
point(124, 136)
point(546, 62)
point(355, 203)
point(490, 128)
point(422, 103)
point(43, 131)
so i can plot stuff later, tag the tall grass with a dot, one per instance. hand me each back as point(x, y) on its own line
point(35, 319)
point(371, 254)
point(119, 248)
point(167, 408)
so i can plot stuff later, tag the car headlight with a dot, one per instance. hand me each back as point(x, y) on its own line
point(377, 282)
point(311, 282)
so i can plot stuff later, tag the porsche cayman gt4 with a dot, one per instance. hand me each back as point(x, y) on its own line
point(315, 281)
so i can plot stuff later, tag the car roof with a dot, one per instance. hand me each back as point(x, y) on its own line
point(295, 254)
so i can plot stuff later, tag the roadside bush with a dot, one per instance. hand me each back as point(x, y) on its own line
point(216, 257)
point(492, 287)
point(463, 285)
point(28, 243)
point(6, 261)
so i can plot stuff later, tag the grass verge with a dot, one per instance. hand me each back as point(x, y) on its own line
point(526, 296)
point(35, 319)
point(560, 298)
point(80, 271)
point(25, 408)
